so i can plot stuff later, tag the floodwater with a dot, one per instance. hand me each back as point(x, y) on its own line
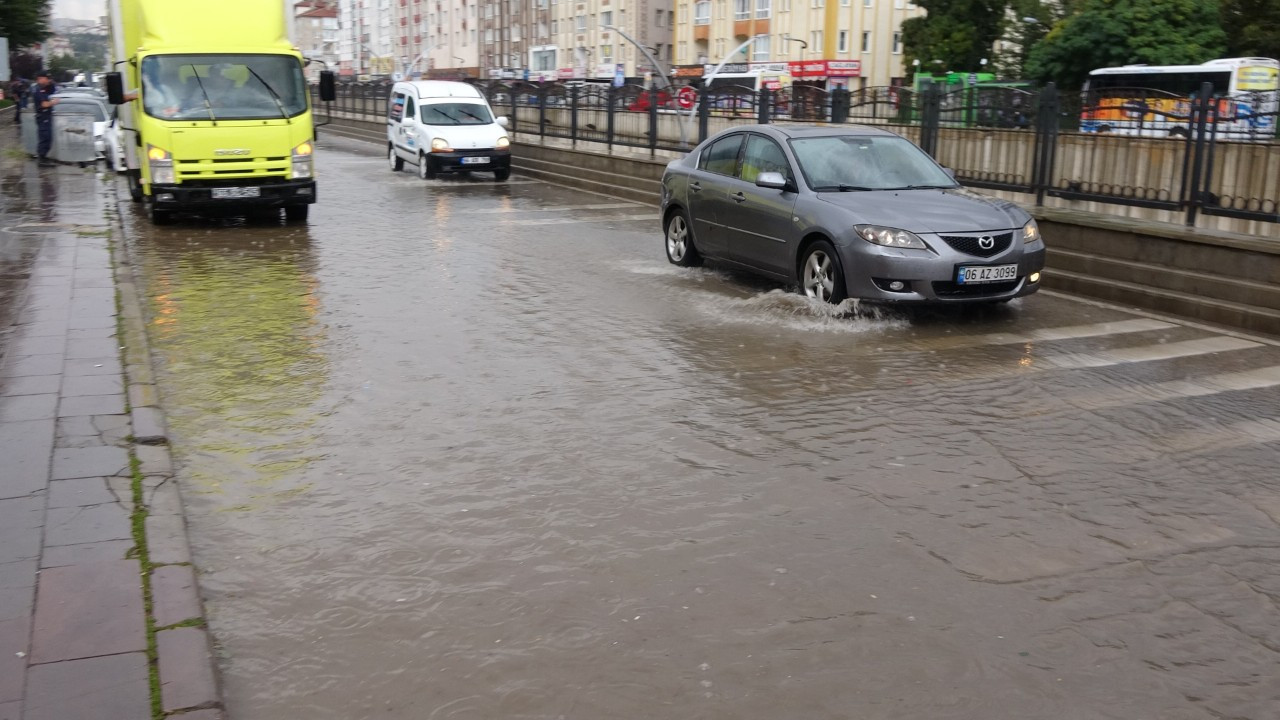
point(458, 449)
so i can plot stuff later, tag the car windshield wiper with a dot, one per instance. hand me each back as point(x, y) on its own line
point(274, 95)
point(469, 114)
point(845, 188)
point(208, 104)
point(455, 120)
point(923, 187)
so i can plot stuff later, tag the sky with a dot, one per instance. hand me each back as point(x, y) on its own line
point(79, 9)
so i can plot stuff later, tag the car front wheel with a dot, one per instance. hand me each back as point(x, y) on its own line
point(821, 276)
point(395, 162)
point(680, 248)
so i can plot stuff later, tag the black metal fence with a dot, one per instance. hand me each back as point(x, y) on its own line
point(1201, 155)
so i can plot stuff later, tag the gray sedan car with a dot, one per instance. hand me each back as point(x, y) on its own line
point(846, 212)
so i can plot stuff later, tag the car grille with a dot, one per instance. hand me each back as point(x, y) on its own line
point(969, 244)
point(951, 289)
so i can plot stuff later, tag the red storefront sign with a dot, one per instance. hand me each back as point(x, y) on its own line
point(825, 68)
point(565, 73)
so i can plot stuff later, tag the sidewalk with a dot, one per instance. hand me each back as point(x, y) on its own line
point(100, 617)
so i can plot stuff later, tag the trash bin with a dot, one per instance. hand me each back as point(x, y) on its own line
point(73, 137)
point(30, 137)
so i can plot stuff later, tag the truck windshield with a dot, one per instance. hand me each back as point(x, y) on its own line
point(222, 87)
point(456, 113)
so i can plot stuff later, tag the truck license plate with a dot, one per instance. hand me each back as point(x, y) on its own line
point(235, 193)
point(475, 161)
point(986, 274)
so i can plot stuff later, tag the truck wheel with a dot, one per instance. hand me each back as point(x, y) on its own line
point(296, 213)
point(501, 175)
point(159, 216)
point(135, 187)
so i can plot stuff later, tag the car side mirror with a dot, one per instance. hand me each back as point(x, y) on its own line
point(503, 122)
point(328, 82)
point(115, 88)
point(774, 180)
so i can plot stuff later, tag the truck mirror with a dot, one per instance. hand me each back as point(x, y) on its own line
point(115, 88)
point(327, 90)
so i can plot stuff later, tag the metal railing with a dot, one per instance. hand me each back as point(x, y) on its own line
point(1204, 155)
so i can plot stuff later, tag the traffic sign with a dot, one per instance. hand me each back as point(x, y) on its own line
point(686, 97)
point(619, 76)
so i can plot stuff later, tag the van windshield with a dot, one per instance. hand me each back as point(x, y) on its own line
point(456, 113)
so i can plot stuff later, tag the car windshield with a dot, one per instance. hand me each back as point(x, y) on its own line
point(67, 106)
point(858, 162)
point(456, 113)
point(223, 87)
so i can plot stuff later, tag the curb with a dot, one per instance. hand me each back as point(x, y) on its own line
point(184, 679)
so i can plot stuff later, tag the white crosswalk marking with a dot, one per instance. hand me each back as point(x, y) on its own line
point(1147, 353)
point(1195, 387)
point(1070, 332)
point(558, 209)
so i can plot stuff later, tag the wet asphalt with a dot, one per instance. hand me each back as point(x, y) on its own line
point(462, 449)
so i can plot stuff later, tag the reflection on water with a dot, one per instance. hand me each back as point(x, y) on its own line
point(233, 317)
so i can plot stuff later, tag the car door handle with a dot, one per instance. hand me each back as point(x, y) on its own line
point(696, 187)
point(738, 196)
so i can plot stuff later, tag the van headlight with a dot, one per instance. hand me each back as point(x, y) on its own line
point(889, 237)
point(302, 161)
point(161, 164)
point(504, 142)
point(440, 145)
point(1030, 232)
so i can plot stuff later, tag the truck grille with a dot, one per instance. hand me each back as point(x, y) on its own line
point(209, 168)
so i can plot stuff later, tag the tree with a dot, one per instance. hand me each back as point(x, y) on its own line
point(955, 35)
point(24, 22)
point(1106, 33)
point(1253, 27)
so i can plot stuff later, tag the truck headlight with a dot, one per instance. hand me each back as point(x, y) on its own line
point(440, 145)
point(302, 163)
point(161, 163)
point(1030, 232)
point(890, 237)
point(504, 142)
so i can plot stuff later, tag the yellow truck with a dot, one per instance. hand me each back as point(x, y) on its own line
point(214, 107)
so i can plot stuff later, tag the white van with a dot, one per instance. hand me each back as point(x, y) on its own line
point(445, 127)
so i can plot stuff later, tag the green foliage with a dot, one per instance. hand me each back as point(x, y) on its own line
point(1253, 27)
point(24, 22)
point(1106, 33)
point(955, 35)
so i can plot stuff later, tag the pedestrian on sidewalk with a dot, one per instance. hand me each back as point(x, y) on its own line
point(42, 101)
point(18, 92)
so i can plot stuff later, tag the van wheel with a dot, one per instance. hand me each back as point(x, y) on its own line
point(426, 170)
point(501, 175)
point(393, 160)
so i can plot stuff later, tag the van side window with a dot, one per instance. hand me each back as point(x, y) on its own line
point(408, 109)
point(395, 109)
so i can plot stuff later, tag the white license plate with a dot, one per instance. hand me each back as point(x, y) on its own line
point(234, 193)
point(986, 274)
point(475, 161)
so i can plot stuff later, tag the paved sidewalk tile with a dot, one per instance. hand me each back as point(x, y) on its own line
point(30, 385)
point(20, 522)
point(92, 385)
point(94, 366)
point(15, 635)
point(9, 710)
point(105, 688)
point(25, 447)
point(88, 610)
point(86, 554)
point(173, 594)
point(29, 407)
point(80, 525)
point(186, 670)
point(92, 405)
point(21, 366)
point(69, 463)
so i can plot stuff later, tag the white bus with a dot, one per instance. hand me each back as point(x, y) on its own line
point(1155, 100)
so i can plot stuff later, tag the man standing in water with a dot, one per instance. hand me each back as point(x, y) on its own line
point(42, 102)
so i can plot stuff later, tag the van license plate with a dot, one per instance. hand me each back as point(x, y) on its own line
point(234, 193)
point(986, 274)
point(475, 161)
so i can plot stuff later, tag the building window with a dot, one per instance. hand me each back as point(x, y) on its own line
point(842, 41)
point(866, 41)
point(763, 8)
point(815, 40)
point(719, 47)
point(606, 53)
point(844, 3)
point(657, 17)
point(606, 18)
point(684, 50)
point(866, 3)
point(741, 9)
point(544, 60)
point(760, 48)
point(897, 43)
point(702, 13)
point(582, 23)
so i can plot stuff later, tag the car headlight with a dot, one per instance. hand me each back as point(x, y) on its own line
point(504, 142)
point(440, 145)
point(1030, 232)
point(161, 163)
point(890, 237)
point(302, 163)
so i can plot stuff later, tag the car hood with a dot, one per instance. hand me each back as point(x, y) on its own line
point(469, 137)
point(930, 211)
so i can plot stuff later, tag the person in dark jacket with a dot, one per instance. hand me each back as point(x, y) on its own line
point(42, 101)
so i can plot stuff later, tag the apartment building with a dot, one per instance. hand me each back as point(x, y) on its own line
point(315, 28)
point(825, 43)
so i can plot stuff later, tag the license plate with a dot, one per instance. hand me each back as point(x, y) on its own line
point(974, 275)
point(235, 193)
point(475, 161)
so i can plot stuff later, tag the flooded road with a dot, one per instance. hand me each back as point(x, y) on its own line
point(459, 449)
